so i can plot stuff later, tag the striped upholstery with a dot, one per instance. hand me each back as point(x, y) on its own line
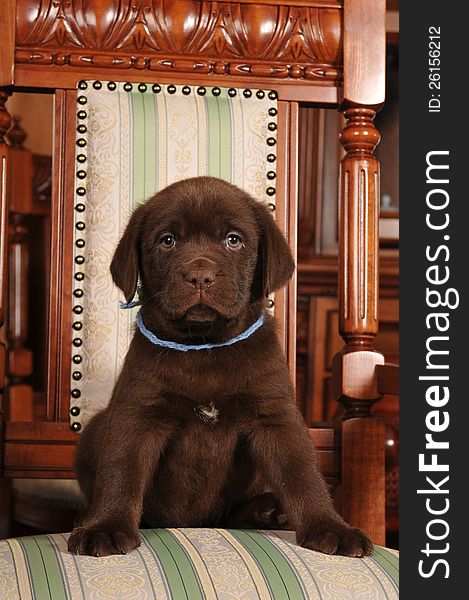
point(194, 564)
point(131, 142)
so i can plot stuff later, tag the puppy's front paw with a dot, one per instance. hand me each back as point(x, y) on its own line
point(102, 540)
point(333, 537)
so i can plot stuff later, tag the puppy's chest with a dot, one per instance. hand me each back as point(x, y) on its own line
point(201, 450)
point(210, 400)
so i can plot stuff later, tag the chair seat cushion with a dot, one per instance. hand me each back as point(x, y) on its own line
point(194, 564)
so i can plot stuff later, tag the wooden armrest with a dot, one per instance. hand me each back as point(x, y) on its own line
point(388, 379)
point(39, 449)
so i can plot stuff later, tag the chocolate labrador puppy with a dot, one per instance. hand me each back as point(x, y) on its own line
point(203, 436)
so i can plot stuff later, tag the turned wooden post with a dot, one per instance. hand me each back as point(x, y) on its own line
point(355, 379)
point(20, 359)
point(5, 121)
point(354, 368)
point(7, 49)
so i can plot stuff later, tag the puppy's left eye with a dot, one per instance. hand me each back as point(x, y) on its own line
point(233, 241)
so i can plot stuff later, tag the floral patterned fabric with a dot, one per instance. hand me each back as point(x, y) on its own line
point(132, 141)
point(194, 564)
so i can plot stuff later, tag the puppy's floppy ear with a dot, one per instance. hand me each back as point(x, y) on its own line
point(125, 263)
point(275, 263)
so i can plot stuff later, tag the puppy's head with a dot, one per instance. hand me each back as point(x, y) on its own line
point(206, 253)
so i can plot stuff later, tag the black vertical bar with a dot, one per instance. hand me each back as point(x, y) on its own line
point(434, 236)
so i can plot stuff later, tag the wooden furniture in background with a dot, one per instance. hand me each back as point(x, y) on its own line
point(29, 265)
point(318, 335)
point(20, 358)
point(5, 122)
point(319, 51)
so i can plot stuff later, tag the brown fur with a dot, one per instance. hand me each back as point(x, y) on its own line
point(154, 452)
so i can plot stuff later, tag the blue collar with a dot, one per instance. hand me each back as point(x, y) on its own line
point(186, 347)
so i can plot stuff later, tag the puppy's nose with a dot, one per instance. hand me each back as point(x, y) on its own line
point(200, 278)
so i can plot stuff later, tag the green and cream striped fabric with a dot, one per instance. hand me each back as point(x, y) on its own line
point(194, 564)
point(133, 140)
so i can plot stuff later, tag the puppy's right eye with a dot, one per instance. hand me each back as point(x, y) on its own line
point(167, 241)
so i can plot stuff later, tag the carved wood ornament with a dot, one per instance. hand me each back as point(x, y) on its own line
point(236, 38)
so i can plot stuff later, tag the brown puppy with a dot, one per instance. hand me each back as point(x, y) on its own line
point(203, 437)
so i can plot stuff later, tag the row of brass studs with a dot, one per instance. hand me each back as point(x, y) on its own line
point(79, 243)
point(171, 89)
point(271, 158)
point(271, 174)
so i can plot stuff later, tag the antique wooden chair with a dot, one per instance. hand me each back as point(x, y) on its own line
point(276, 53)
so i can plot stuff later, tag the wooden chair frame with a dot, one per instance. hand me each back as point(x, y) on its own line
point(324, 52)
